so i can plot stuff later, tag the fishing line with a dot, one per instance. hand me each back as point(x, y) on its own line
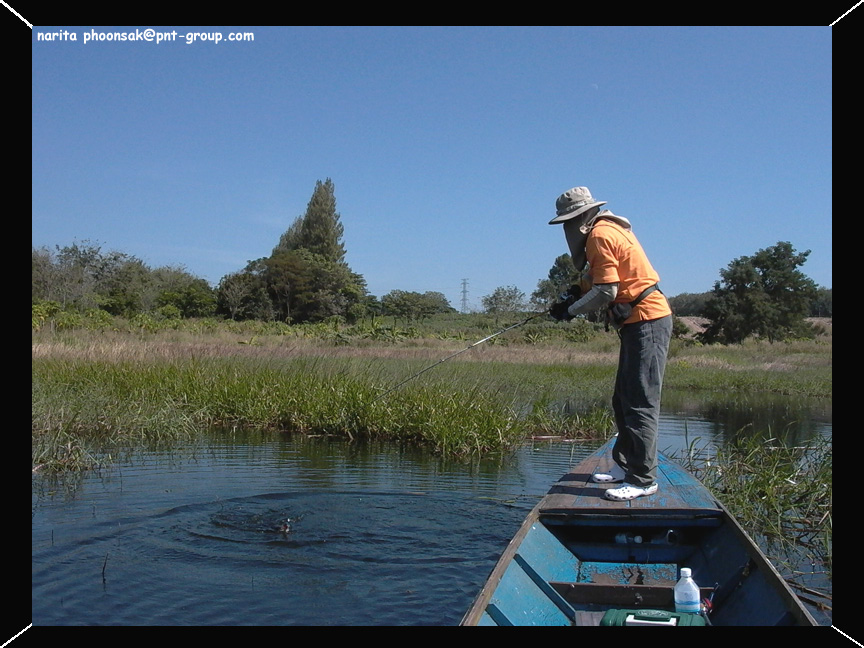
point(453, 355)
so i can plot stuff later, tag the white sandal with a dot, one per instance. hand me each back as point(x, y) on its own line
point(615, 474)
point(630, 491)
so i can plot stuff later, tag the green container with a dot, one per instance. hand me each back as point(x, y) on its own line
point(656, 618)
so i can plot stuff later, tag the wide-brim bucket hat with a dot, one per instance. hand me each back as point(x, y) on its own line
point(574, 202)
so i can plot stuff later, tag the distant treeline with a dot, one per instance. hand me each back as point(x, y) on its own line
point(693, 304)
point(305, 279)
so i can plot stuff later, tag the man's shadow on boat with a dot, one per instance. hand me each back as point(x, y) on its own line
point(579, 484)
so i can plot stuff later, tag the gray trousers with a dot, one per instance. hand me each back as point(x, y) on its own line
point(636, 399)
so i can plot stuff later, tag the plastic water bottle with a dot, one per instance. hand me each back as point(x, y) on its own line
point(687, 597)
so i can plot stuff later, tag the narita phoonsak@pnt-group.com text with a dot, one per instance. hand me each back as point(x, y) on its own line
point(148, 35)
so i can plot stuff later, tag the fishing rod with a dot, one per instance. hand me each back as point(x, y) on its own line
point(453, 355)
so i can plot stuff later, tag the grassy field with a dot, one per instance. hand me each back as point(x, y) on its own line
point(97, 389)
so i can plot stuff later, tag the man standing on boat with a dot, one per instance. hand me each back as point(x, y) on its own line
point(619, 277)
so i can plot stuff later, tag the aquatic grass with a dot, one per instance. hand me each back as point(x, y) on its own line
point(122, 388)
point(790, 368)
point(781, 494)
point(152, 399)
point(803, 381)
point(453, 422)
point(120, 402)
point(550, 418)
point(79, 412)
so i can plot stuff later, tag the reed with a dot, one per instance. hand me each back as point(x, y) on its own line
point(781, 494)
point(81, 407)
point(96, 391)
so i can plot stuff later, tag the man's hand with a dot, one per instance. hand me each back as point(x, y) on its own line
point(560, 309)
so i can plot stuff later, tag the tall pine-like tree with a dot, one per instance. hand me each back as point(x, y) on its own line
point(307, 276)
point(319, 230)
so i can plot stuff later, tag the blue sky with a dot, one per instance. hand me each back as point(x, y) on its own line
point(447, 146)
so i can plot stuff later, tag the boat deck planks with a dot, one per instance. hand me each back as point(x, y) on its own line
point(575, 493)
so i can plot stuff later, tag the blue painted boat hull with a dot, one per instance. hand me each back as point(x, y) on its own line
point(579, 557)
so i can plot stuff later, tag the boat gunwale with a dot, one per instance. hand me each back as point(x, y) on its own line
point(712, 513)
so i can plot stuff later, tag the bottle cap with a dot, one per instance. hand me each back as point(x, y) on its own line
point(685, 572)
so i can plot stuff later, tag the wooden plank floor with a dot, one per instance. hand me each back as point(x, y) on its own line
point(678, 491)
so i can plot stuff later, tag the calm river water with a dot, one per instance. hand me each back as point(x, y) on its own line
point(251, 530)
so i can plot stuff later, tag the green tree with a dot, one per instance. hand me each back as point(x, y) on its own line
point(822, 306)
point(689, 304)
point(244, 296)
point(125, 286)
point(84, 278)
point(438, 302)
point(81, 277)
point(306, 275)
point(765, 295)
point(504, 299)
point(233, 291)
point(411, 306)
point(190, 295)
point(562, 275)
point(306, 287)
point(73, 275)
point(290, 239)
point(369, 306)
point(44, 277)
point(319, 230)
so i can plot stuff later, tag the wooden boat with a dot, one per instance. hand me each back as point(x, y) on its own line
point(580, 559)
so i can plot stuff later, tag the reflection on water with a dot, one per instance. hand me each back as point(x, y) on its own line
point(251, 529)
point(716, 419)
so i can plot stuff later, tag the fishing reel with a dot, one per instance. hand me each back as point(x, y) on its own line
point(559, 309)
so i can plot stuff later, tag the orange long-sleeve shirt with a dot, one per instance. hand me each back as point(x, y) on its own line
point(615, 256)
